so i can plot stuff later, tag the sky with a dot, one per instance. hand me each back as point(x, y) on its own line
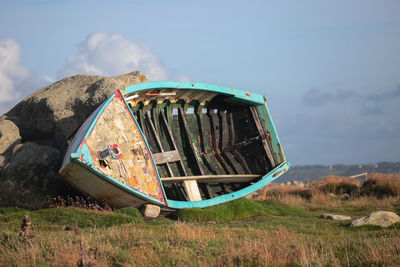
point(329, 69)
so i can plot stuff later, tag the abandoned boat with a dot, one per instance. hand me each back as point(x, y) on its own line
point(175, 145)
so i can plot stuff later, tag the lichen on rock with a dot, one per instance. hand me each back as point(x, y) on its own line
point(379, 218)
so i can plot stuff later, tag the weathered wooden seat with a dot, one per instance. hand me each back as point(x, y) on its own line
point(190, 185)
point(166, 157)
point(229, 178)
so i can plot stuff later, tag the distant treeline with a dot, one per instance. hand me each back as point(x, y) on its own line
point(313, 172)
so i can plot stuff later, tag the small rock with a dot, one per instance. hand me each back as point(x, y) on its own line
point(150, 211)
point(379, 218)
point(334, 217)
point(345, 197)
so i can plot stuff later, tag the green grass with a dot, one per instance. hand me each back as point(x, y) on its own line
point(238, 210)
point(61, 216)
point(245, 233)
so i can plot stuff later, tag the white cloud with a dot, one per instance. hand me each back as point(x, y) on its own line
point(112, 54)
point(100, 54)
point(15, 79)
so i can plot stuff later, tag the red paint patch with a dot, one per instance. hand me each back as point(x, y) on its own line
point(152, 94)
point(82, 143)
point(118, 95)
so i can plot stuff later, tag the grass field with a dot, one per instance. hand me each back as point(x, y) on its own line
point(283, 231)
point(280, 227)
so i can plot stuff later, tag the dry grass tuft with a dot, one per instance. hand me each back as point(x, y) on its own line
point(377, 192)
point(78, 202)
point(188, 232)
point(333, 179)
point(382, 185)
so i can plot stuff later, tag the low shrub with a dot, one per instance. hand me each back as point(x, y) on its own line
point(381, 185)
point(341, 188)
point(377, 185)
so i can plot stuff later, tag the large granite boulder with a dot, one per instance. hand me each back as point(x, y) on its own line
point(34, 135)
point(379, 218)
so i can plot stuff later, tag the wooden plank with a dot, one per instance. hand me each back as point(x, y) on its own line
point(141, 121)
point(155, 114)
point(231, 127)
point(262, 132)
point(158, 143)
point(192, 145)
point(206, 141)
point(214, 143)
point(233, 164)
point(192, 190)
point(171, 137)
point(227, 178)
point(215, 139)
point(205, 149)
point(166, 157)
point(157, 156)
point(154, 132)
point(181, 193)
point(191, 187)
point(206, 98)
point(224, 134)
point(199, 115)
point(242, 144)
point(189, 95)
point(201, 131)
point(241, 161)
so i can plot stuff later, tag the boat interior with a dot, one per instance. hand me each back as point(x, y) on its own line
point(204, 144)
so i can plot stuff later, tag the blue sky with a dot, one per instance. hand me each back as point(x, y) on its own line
point(330, 69)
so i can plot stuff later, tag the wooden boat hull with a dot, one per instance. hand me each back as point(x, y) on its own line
point(176, 145)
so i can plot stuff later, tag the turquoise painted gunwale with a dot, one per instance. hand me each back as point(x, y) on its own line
point(258, 100)
point(239, 94)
